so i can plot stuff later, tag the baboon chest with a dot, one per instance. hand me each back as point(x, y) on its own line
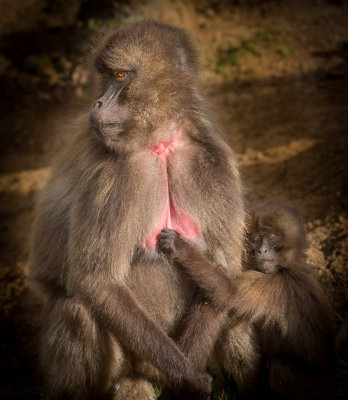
point(171, 214)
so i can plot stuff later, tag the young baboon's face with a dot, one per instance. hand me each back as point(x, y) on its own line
point(148, 74)
point(263, 248)
point(275, 237)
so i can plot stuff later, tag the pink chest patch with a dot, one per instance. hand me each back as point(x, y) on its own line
point(172, 216)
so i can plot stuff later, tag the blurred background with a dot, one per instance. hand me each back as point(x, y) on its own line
point(275, 73)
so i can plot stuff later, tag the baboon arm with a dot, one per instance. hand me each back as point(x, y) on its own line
point(216, 284)
point(207, 315)
point(250, 295)
point(260, 297)
point(117, 308)
point(205, 319)
point(211, 278)
point(199, 332)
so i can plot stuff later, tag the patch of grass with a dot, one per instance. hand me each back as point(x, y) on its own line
point(234, 54)
point(286, 52)
point(224, 389)
point(95, 25)
point(235, 59)
point(158, 388)
point(221, 69)
point(229, 62)
point(250, 47)
point(232, 58)
point(267, 38)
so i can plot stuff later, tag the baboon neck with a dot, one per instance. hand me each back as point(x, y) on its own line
point(162, 149)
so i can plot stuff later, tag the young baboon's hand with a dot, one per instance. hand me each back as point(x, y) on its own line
point(167, 241)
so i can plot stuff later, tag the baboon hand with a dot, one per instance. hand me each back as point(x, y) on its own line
point(167, 241)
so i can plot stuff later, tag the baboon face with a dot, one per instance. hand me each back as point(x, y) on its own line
point(275, 234)
point(264, 247)
point(110, 113)
point(148, 73)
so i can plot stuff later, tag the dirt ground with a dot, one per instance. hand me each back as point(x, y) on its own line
point(276, 78)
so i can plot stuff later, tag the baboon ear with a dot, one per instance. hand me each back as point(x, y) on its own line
point(187, 56)
point(183, 61)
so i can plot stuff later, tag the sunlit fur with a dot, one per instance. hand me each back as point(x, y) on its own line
point(165, 62)
point(110, 303)
point(287, 308)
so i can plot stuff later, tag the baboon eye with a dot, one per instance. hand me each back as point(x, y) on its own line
point(272, 237)
point(256, 238)
point(120, 75)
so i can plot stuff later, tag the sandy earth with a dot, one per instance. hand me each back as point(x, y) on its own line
point(276, 78)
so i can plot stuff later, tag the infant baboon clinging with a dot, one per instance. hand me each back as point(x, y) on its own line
point(150, 159)
point(277, 294)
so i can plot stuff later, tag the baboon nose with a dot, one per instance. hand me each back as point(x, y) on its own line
point(262, 250)
point(98, 103)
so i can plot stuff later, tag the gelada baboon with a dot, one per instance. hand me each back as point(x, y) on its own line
point(150, 158)
point(277, 293)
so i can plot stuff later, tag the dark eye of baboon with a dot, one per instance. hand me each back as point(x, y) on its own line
point(256, 238)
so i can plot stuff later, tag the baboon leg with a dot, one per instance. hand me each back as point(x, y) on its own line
point(80, 359)
point(239, 353)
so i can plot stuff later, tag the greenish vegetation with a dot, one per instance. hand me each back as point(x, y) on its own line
point(222, 70)
point(158, 387)
point(286, 52)
point(224, 389)
point(229, 62)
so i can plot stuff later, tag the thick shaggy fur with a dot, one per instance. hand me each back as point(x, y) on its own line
point(288, 309)
point(110, 302)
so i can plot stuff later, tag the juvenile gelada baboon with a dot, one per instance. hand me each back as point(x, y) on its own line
point(277, 293)
point(149, 159)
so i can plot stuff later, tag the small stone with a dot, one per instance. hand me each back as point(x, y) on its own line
point(259, 155)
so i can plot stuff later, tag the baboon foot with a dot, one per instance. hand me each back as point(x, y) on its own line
point(134, 389)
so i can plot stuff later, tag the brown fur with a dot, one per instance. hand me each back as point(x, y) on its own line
point(288, 308)
point(108, 300)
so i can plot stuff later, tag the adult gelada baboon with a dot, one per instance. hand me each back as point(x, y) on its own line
point(277, 293)
point(150, 159)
